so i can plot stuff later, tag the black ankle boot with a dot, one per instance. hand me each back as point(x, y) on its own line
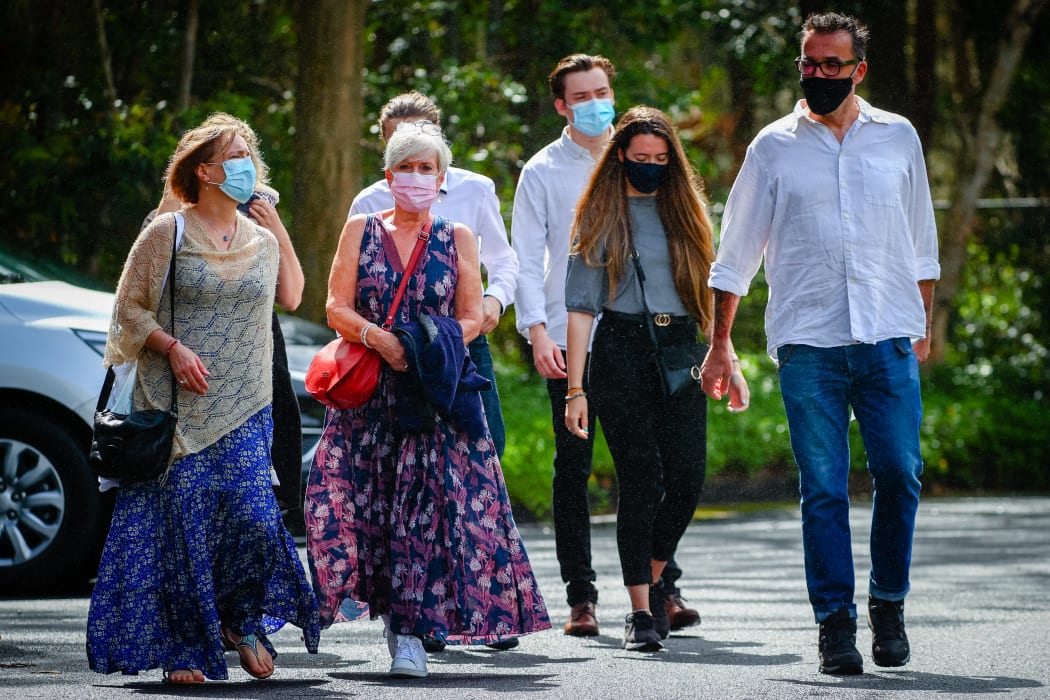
point(889, 642)
point(837, 645)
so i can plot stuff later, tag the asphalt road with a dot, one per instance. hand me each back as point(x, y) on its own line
point(978, 618)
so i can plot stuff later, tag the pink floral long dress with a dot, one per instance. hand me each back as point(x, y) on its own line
point(416, 525)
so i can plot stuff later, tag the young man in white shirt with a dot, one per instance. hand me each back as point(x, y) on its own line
point(544, 206)
point(835, 197)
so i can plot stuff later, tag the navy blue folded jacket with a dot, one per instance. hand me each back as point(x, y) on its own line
point(441, 378)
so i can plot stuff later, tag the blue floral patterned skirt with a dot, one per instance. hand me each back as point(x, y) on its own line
point(206, 547)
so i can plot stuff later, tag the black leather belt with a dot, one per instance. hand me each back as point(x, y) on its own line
point(659, 320)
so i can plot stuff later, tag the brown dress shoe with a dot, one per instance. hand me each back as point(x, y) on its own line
point(582, 622)
point(680, 615)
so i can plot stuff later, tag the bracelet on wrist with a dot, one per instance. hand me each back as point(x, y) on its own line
point(173, 343)
point(364, 335)
point(576, 395)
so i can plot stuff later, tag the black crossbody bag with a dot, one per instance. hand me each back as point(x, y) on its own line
point(136, 446)
point(678, 364)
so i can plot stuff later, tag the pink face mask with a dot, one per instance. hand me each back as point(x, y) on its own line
point(413, 191)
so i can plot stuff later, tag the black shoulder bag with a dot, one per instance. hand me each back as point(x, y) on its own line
point(136, 446)
point(678, 364)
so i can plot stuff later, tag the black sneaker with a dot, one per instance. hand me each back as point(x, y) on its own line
point(639, 634)
point(658, 608)
point(889, 642)
point(837, 645)
point(504, 644)
point(433, 645)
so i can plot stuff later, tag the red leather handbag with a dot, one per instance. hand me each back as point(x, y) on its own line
point(345, 375)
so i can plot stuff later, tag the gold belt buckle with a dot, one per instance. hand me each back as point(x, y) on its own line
point(662, 319)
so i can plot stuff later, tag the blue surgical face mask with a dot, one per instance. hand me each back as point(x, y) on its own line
point(593, 117)
point(240, 178)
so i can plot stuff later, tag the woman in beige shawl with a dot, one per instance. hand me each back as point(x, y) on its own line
point(200, 562)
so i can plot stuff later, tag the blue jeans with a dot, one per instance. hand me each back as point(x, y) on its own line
point(482, 357)
point(881, 384)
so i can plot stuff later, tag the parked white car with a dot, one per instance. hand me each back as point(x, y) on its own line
point(53, 519)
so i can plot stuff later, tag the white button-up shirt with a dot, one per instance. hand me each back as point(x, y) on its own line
point(847, 230)
point(549, 187)
point(469, 199)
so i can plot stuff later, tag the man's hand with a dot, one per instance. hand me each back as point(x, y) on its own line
point(492, 310)
point(921, 348)
point(546, 355)
point(717, 371)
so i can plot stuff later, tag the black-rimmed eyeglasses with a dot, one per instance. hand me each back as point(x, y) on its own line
point(829, 68)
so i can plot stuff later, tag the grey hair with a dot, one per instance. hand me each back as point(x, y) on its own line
point(421, 139)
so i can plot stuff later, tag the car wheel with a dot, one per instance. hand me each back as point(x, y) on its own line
point(52, 517)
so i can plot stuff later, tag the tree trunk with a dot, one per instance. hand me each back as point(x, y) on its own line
point(889, 79)
point(189, 53)
point(105, 54)
point(741, 94)
point(975, 169)
point(924, 97)
point(328, 109)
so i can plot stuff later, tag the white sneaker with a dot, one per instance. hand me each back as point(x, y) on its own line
point(410, 660)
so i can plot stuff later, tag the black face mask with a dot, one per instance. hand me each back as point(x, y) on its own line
point(824, 95)
point(645, 177)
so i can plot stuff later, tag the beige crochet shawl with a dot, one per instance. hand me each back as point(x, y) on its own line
point(223, 309)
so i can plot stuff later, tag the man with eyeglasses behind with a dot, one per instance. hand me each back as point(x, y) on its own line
point(835, 197)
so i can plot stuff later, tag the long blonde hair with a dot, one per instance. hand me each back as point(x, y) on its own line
point(602, 221)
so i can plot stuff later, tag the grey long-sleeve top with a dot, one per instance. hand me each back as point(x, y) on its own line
point(587, 287)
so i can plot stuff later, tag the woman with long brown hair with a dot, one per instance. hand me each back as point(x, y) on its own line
point(641, 256)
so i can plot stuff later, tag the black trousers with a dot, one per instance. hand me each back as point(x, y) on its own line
point(572, 513)
point(658, 446)
point(287, 449)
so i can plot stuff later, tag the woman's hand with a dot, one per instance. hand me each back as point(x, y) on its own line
point(739, 393)
point(389, 348)
point(190, 372)
point(266, 215)
point(576, 417)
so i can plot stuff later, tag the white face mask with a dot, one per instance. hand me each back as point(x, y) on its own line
point(414, 192)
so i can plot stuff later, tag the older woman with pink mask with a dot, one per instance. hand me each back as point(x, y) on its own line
point(406, 508)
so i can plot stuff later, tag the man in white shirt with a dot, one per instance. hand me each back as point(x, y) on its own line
point(550, 184)
point(469, 199)
point(835, 197)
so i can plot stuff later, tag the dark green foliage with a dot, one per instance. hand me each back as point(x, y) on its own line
point(82, 167)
